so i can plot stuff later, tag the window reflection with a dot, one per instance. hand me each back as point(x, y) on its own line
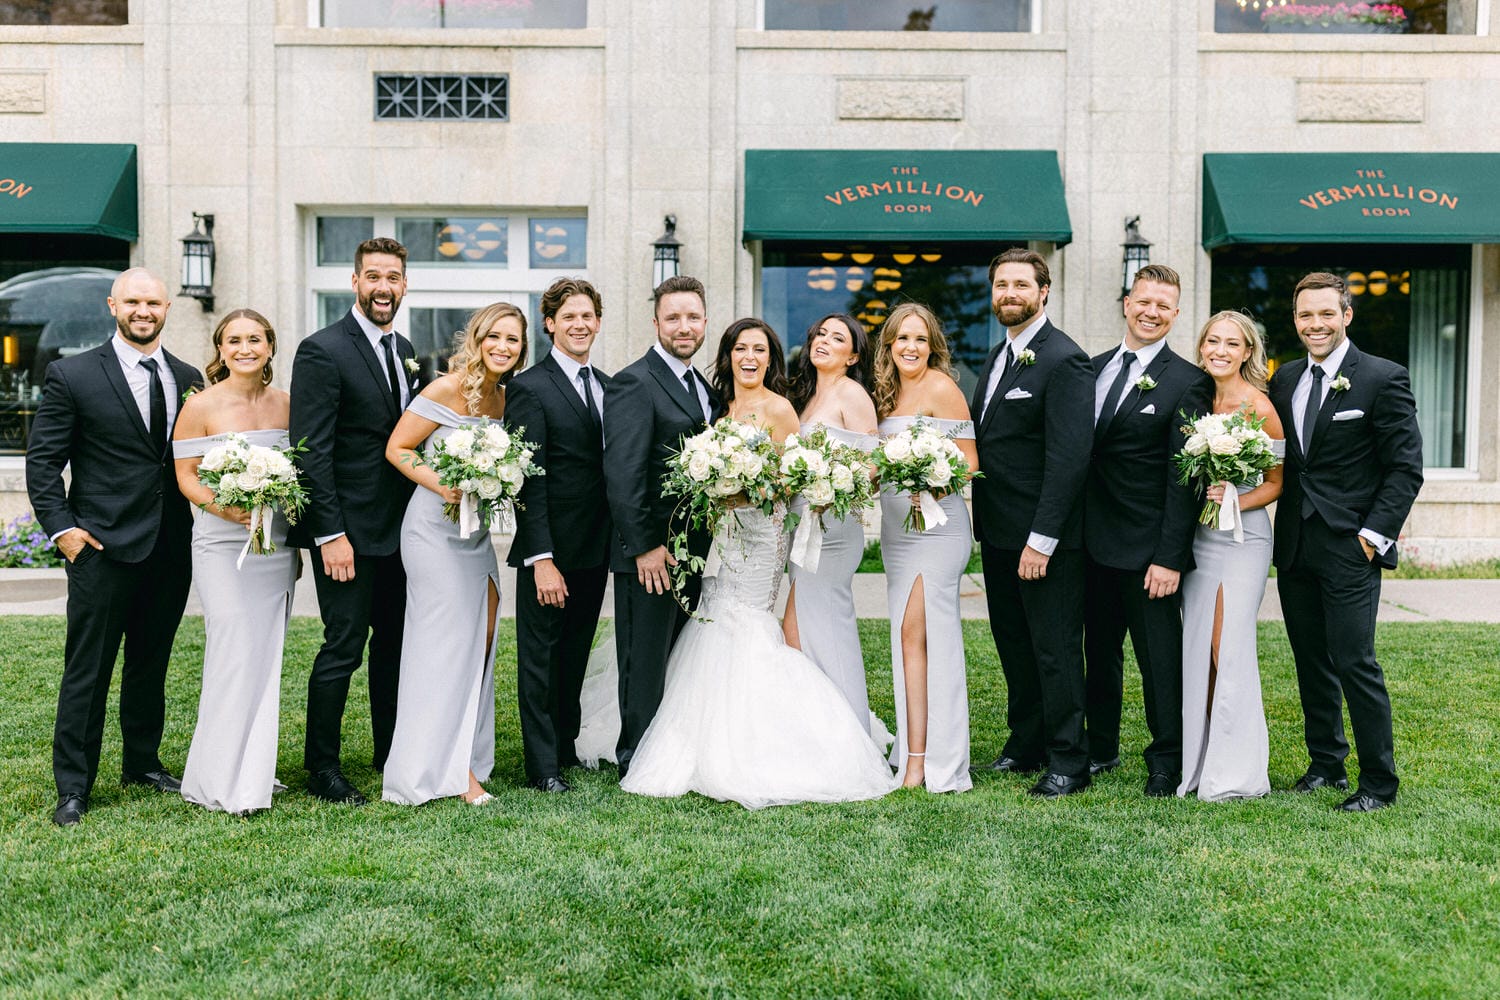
point(455, 13)
point(1414, 17)
point(102, 12)
point(898, 15)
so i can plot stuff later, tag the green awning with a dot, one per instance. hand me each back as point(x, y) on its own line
point(63, 187)
point(904, 195)
point(1350, 198)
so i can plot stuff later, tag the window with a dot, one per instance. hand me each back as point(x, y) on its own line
point(426, 98)
point(1413, 17)
point(456, 263)
point(801, 285)
point(102, 12)
point(899, 15)
point(1411, 305)
point(451, 13)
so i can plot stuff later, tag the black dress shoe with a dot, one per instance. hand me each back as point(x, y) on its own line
point(70, 810)
point(332, 786)
point(1055, 786)
point(1009, 765)
point(1098, 767)
point(1160, 785)
point(550, 785)
point(1310, 782)
point(1363, 802)
point(161, 780)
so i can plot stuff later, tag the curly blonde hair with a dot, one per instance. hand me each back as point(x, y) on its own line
point(468, 359)
point(887, 378)
point(1254, 370)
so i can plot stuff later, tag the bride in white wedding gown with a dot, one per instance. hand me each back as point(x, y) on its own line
point(745, 717)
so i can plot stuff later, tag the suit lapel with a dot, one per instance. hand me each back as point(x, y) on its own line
point(1294, 371)
point(673, 386)
point(377, 367)
point(115, 375)
point(1330, 401)
point(568, 390)
point(1132, 396)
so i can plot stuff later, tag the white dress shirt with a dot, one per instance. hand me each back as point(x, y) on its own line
point(1106, 378)
point(680, 368)
point(1045, 544)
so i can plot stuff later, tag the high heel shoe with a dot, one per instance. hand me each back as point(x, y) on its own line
point(910, 754)
point(482, 799)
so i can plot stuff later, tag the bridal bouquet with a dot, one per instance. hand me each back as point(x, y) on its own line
point(920, 459)
point(487, 465)
point(727, 466)
point(1224, 448)
point(258, 479)
point(832, 477)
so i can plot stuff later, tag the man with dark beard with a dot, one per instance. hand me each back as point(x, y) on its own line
point(124, 529)
point(1034, 422)
point(350, 383)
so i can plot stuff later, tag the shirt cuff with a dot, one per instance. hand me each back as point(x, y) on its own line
point(325, 539)
point(54, 538)
point(1046, 546)
point(1376, 539)
point(536, 558)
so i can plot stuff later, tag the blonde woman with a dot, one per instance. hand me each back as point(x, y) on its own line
point(1225, 749)
point(444, 744)
point(914, 379)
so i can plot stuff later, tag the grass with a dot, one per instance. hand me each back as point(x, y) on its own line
point(596, 893)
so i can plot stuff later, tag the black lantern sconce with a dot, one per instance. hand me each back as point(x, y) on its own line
point(666, 254)
point(198, 262)
point(1137, 254)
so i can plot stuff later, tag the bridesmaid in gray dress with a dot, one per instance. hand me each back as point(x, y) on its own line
point(444, 743)
point(913, 378)
point(231, 764)
point(829, 388)
point(1225, 747)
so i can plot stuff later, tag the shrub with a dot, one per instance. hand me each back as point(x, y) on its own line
point(24, 545)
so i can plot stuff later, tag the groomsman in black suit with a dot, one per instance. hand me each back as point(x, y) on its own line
point(350, 383)
point(1034, 428)
point(125, 531)
point(1138, 525)
point(563, 530)
point(1353, 469)
point(652, 405)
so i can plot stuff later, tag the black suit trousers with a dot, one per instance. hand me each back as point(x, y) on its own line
point(140, 603)
point(552, 654)
point(1329, 597)
point(1038, 631)
point(370, 607)
point(1116, 601)
point(646, 626)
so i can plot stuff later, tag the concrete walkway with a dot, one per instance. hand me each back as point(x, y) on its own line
point(44, 592)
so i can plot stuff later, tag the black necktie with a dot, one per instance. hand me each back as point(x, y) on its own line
point(158, 426)
point(1310, 411)
point(588, 397)
point(1116, 389)
point(692, 389)
point(388, 342)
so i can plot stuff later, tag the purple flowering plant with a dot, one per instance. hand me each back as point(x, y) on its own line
point(24, 545)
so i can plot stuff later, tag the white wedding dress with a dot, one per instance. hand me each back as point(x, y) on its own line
point(745, 717)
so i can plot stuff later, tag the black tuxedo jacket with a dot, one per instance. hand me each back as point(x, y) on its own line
point(1134, 512)
point(564, 512)
point(1365, 465)
point(647, 413)
point(124, 489)
point(342, 409)
point(1034, 444)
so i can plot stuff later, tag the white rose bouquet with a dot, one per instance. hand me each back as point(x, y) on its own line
point(487, 465)
point(832, 477)
point(258, 479)
point(1224, 448)
point(920, 459)
point(727, 466)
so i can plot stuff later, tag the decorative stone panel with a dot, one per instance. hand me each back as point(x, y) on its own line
point(23, 93)
point(1361, 101)
point(893, 98)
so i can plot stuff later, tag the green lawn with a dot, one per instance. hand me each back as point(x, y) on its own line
point(601, 893)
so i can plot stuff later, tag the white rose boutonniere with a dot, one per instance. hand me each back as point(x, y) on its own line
point(412, 367)
point(1026, 357)
point(1145, 383)
point(1340, 384)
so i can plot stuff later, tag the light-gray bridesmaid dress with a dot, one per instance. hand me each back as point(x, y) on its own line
point(445, 703)
point(231, 764)
point(939, 556)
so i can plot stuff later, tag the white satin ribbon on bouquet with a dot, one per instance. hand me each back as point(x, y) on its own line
point(506, 524)
point(468, 514)
point(260, 522)
point(1229, 513)
point(807, 543)
point(932, 511)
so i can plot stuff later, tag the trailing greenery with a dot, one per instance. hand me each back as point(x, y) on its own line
point(600, 893)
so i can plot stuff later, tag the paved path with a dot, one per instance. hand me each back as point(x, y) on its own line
point(44, 592)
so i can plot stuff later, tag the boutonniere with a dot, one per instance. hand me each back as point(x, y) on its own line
point(1340, 384)
point(1145, 383)
point(411, 366)
point(190, 391)
point(1026, 357)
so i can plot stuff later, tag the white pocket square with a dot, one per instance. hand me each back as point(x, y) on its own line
point(1348, 414)
point(1149, 408)
point(1018, 394)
